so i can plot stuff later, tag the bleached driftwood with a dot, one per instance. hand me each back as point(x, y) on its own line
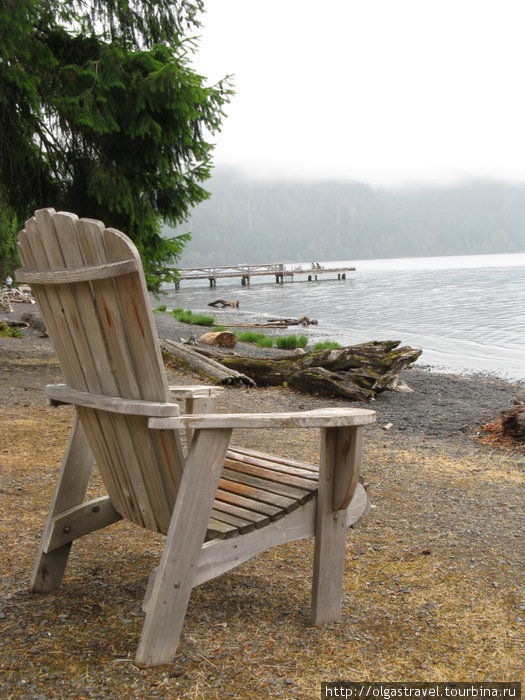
point(183, 356)
point(223, 302)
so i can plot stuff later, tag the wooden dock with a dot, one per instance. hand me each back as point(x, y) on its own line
point(280, 271)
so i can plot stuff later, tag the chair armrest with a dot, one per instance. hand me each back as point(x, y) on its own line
point(320, 418)
point(62, 394)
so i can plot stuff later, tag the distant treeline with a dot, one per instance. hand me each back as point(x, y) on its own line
point(256, 221)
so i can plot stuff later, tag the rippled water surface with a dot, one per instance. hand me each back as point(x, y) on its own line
point(467, 313)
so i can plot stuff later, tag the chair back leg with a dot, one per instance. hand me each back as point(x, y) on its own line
point(70, 490)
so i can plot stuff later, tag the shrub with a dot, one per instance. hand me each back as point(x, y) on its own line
point(160, 309)
point(10, 331)
point(194, 319)
point(260, 339)
point(290, 342)
point(326, 345)
point(198, 320)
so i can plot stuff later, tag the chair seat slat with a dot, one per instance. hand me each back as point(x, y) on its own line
point(257, 519)
point(274, 488)
point(267, 470)
point(247, 452)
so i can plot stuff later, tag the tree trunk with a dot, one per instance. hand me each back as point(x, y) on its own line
point(356, 372)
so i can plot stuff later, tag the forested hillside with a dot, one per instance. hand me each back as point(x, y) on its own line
point(256, 221)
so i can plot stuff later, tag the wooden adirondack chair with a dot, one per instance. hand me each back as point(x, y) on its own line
point(218, 506)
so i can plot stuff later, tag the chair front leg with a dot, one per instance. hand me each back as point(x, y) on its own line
point(174, 579)
point(341, 450)
point(70, 490)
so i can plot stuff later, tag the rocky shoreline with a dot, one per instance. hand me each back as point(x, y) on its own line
point(440, 406)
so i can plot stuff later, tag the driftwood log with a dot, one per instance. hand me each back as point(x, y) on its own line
point(223, 302)
point(269, 324)
point(277, 323)
point(356, 372)
point(301, 321)
point(187, 358)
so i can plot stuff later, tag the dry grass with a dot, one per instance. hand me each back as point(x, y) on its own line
point(432, 589)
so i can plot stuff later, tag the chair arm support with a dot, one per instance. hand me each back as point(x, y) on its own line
point(320, 418)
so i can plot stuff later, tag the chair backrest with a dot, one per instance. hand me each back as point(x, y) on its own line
point(89, 284)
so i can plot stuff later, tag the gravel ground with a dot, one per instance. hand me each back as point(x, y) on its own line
point(433, 584)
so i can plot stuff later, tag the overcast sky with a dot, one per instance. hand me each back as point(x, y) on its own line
point(380, 91)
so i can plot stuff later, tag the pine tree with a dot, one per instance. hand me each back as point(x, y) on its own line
point(101, 113)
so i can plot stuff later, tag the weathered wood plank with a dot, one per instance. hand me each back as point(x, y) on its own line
point(199, 404)
point(79, 521)
point(282, 475)
point(272, 487)
point(53, 310)
point(288, 461)
point(99, 430)
point(136, 314)
point(235, 487)
point(61, 393)
point(217, 528)
point(35, 255)
point(330, 530)
point(271, 463)
point(176, 573)
point(235, 499)
point(78, 274)
point(120, 380)
point(90, 235)
point(220, 555)
point(240, 524)
point(83, 320)
point(349, 448)
point(257, 519)
point(70, 489)
point(320, 418)
point(92, 338)
point(71, 337)
point(189, 391)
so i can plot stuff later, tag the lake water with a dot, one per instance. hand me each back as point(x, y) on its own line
point(467, 313)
